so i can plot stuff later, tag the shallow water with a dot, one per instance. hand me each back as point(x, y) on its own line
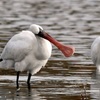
point(64, 83)
point(72, 22)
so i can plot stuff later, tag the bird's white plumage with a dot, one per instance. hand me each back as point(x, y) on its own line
point(26, 51)
point(95, 52)
point(35, 28)
point(19, 46)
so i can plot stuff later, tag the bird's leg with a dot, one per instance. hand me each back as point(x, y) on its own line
point(17, 80)
point(28, 80)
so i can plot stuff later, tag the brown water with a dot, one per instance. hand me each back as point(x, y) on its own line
point(73, 22)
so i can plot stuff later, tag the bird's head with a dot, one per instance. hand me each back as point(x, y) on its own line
point(38, 30)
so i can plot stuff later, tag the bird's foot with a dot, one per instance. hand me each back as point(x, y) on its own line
point(18, 89)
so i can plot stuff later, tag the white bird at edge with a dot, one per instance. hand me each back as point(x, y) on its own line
point(30, 50)
point(95, 53)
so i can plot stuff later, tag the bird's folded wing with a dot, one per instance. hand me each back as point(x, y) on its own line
point(16, 50)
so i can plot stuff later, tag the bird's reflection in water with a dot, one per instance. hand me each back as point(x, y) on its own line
point(28, 95)
point(23, 94)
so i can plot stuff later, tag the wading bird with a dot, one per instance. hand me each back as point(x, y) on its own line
point(30, 50)
point(95, 53)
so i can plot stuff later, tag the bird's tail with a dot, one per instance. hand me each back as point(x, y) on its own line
point(6, 64)
point(1, 59)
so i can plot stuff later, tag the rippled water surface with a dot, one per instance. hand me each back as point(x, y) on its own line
point(72, 22)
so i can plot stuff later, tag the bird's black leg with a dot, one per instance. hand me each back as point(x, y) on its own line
point(17, 80)
point(28, 81)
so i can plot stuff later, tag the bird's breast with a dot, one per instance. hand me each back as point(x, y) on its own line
point(44, 49)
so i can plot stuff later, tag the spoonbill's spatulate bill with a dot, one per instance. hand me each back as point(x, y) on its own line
point(95, 53)
point(30, 50)
point(66, 50)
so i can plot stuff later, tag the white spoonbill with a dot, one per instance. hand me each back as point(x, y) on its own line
point(95, 53)
point(30, 50)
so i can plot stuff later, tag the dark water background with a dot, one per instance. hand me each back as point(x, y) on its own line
point(72, 22)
